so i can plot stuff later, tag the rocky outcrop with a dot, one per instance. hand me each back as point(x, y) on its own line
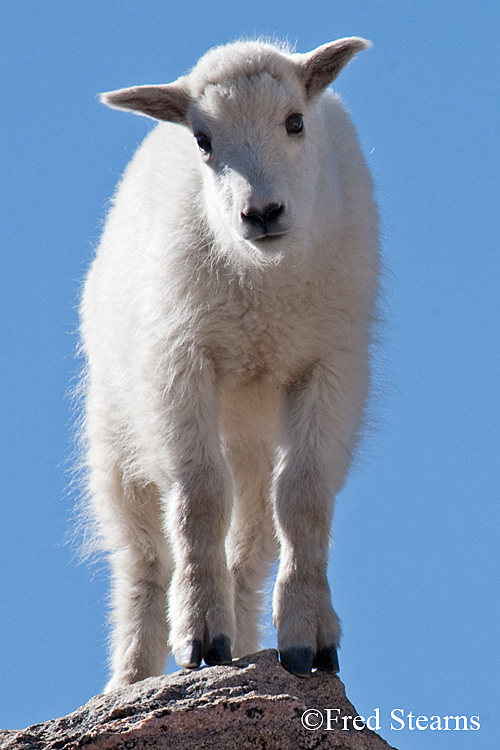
point(251, 704)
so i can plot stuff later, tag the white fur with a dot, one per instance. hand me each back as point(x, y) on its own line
point(228, 372)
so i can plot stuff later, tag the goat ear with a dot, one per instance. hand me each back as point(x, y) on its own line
point(321, 66)
point(165, 102)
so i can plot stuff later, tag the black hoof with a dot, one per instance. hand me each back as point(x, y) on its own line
point(218, 651)
point(298, 661)
point(327, 660)
point(189, 654)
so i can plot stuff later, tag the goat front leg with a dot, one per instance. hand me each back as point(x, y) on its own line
point(201, 597)
point(319, 432)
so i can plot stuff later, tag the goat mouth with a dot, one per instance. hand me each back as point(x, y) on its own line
point(268, 237)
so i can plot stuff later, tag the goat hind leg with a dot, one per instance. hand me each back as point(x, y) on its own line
point(131, 527)
point(251, 545)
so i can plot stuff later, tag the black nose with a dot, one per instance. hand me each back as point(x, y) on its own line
point(265, 218)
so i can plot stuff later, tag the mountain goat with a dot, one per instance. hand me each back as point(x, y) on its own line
point(225, 322)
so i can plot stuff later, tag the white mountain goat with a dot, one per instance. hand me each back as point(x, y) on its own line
point(226, 325)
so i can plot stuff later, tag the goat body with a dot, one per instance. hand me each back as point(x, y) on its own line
point(226, 325)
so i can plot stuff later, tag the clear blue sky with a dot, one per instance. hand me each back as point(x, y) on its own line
point(415, 565)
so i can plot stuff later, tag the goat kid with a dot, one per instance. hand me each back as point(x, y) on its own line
point(226, 325)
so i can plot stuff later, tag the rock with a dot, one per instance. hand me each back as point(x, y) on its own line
point(252, 704)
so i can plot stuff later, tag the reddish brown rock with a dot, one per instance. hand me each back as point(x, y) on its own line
point(252, 704)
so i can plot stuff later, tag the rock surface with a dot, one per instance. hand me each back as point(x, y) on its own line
point(251, 704)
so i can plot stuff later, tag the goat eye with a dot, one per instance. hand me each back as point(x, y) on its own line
point(204, 142)
point(294, 124)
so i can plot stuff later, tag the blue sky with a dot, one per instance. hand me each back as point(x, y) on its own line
point(415, 564)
